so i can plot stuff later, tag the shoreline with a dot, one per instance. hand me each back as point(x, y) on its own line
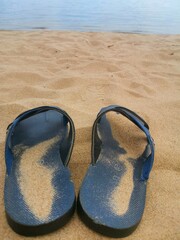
point(39, 29)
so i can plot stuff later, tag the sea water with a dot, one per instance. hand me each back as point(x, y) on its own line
point(137, 16)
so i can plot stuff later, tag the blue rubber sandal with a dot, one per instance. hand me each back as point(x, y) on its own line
point(106, 171)
point(39, 195)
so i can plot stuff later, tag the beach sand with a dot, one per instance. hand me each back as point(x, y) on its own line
point(82, 72)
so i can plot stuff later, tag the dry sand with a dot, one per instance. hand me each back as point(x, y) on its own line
point(82, 72)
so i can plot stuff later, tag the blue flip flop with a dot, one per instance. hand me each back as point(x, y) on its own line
point(106, 171)
point(39, 195)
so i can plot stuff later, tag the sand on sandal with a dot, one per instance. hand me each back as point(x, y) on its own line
point(133, 141)
point(121, 195)
point(35, 179)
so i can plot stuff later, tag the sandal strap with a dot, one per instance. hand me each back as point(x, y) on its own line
point(67, 145)
point(138, 121)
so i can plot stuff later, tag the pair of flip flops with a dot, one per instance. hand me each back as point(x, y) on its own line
point(39, 194)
